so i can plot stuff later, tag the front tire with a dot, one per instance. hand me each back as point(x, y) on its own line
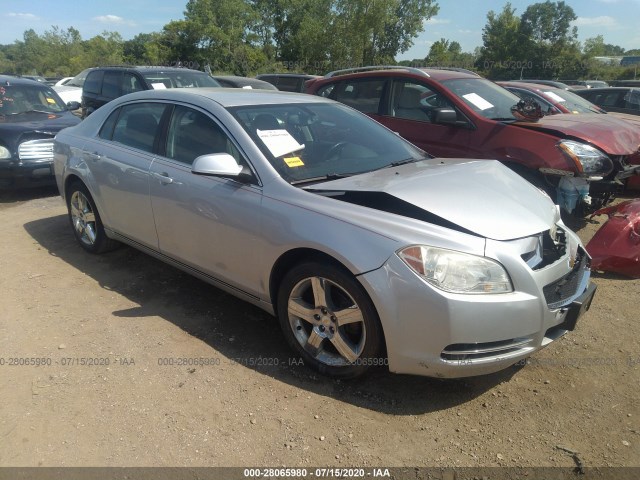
point(327, 317)
point(85, 220)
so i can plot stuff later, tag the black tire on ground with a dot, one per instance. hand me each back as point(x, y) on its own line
point(329, 320)
point(85, 220)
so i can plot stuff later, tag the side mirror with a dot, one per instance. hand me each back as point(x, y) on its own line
point(73, 105)
point(216, 164)
point(445, 116)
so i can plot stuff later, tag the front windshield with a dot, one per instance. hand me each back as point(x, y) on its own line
point(316, 141)
point(18, 99)
point(179, 79)
point(574, 103)
point(78, 80)
point(484, 97)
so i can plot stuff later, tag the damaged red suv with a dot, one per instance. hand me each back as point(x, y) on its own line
point(579, 159)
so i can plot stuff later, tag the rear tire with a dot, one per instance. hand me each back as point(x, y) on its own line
point(85, 220)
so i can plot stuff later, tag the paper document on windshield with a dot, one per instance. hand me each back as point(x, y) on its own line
point(159, 86)
point(478, 101)
point(279, 142)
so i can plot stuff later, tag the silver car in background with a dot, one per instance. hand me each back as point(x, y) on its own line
point(369, 251)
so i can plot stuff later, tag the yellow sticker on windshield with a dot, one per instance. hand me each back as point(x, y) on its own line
point(51, 100)
point(293, 162)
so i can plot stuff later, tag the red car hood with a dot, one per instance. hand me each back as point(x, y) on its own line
point(611, 134)
point(634, 119)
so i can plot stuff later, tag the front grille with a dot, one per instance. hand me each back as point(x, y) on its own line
point(36, 150)
point(564, 290)
point(487, 350)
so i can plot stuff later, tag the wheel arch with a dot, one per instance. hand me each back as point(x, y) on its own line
point(292, 257)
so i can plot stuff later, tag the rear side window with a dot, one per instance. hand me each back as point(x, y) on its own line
point(137, 125)
point(363, 95)
point(93, 83)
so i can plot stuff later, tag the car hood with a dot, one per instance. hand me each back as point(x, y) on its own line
point(481, 197)
point(65, 88)
point(611, 134)
point(633, 119)
point(27, 122)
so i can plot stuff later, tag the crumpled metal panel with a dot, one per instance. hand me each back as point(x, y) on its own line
point(616, 245)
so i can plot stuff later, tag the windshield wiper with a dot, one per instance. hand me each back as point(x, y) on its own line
point(400, 162)
point(32, 111)
point(502, 119)
point(330, 176)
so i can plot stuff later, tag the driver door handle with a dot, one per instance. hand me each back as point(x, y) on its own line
point(164, 178)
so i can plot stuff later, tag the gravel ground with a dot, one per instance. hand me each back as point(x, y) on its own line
point(575, 402)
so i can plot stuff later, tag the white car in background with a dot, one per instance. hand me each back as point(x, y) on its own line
point(71, 91)
point(62, 81)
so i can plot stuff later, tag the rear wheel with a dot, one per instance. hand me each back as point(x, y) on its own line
point(85, 220)
point(328, 318)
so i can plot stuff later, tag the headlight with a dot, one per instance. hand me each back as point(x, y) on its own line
point(4, 152)
point(589, 159)
point(456, 272)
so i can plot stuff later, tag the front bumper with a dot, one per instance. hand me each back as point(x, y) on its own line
point(16, 174)
point(434, 333)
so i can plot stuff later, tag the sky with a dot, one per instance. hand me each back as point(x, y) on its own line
point(459, 20)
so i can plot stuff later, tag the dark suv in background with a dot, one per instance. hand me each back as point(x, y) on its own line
point(103, 84)
point(287, 82)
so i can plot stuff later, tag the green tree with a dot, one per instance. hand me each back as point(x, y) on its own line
point(503, 44)
point(443, 53)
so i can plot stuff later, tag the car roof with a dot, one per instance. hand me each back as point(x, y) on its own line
point(289, 75)
point(527, 85)
point(244, 81)
point(434, 73)
point(607, 89)
point(17, 80)
point(226, 97)
point(146, 68)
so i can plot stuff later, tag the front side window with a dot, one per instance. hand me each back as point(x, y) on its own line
point(415, 101)
point(93, 82)
point(192, 134)
point(632, 100)
point(308, 141)
point(137, 125)
point(112, 84)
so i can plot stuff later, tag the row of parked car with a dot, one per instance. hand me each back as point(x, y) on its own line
point(368, 249)
point(579, 161)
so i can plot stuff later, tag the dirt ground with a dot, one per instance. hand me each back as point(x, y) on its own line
point(253, 405)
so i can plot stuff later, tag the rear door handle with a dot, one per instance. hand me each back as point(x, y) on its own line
point(164, 178)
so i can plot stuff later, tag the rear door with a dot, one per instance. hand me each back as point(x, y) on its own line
point(119, 160)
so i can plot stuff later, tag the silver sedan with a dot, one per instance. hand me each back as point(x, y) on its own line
point(368, 250)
